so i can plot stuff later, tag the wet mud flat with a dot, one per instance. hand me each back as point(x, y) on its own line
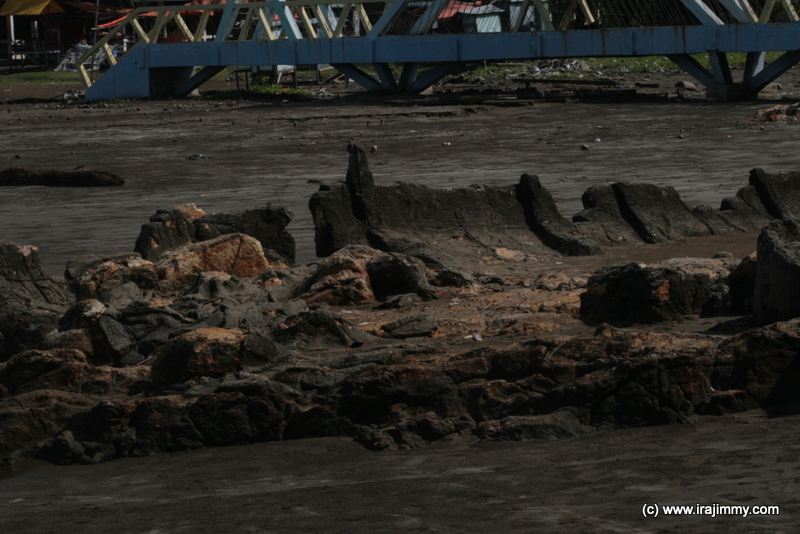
point(593, 483)
point(275, 153)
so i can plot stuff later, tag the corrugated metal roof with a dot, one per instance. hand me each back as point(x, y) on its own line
point(30, 7)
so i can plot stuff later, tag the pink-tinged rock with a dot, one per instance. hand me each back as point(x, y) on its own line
point(204, 352)
point(341, 279)
point(95, 279)
point(191, 211)
point(235, 254)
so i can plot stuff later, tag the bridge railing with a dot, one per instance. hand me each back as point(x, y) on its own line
point(333, 19)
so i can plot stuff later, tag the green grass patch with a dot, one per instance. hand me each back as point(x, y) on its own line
point(39, 77)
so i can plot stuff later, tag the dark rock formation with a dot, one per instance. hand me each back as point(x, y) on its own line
point(92, 277)
point(206, 352)
point(167, 230)
point(358, 274)
point(173, 228)
point(268, 225)
point(236, 254)
point(548, 224)
point(742, 285)
point(640, 293)
point(30, 300)
point(78, 178)
point(777, 279)
point(437, 225)
point(655, 214)
point(778, 193)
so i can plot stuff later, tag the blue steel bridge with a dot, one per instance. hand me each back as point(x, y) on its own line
point(175, 48)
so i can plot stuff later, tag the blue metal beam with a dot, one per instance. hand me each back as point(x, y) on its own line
point(478, 47)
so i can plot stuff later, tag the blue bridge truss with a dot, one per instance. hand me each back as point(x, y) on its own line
point(177, 48)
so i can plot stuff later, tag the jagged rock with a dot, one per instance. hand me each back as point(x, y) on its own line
point(745, 211)
point(397, 274)
point(23, 278)
point(267, 225)
point(205, 352)
point(412, 326)
point(32, 417)
point(432, 224)
point(91, 277)
point(82, 314)
point(167, 230)
point(281, 284)
point(71, 339)
point(602, 219)
point(113, 343)
point(657, 214)
point(26, 366)
point(212, 285)
point(778, 193)
point(742, 285)
point(547, 223)
point(171, 229)
point(234, 419)
point(316, 328)
point(153, 322)
point(762, 362)
point(236, 254)
point(341, 279)
point(30, 300)
point(777, 279)
point(259, 349)
point(123, 295)
point(357, 275)
point(399, 301)
point(641, 293)
point(77, 178)
point(163, 425)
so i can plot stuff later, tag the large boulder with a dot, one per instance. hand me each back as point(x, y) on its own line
point(235, 254)
point(642, 293)
point(212, 352)
point(357, 274)
point(267, 225)
point(167, 230)
point(173, 228)
point(205, 352)
point(341, 279)
point(777, 279)
point(92, 277)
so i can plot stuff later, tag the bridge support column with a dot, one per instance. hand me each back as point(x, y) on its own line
point(719, 81)
point(411, 80)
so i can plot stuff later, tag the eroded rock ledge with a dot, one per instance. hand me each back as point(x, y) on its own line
point(522, 221)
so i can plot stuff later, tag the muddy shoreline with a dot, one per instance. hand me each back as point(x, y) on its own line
point(274, 153)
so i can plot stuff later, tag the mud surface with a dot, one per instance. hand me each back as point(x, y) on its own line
point(593, 483)
point(266, 152)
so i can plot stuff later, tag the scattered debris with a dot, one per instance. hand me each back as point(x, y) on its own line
point(778, 113)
